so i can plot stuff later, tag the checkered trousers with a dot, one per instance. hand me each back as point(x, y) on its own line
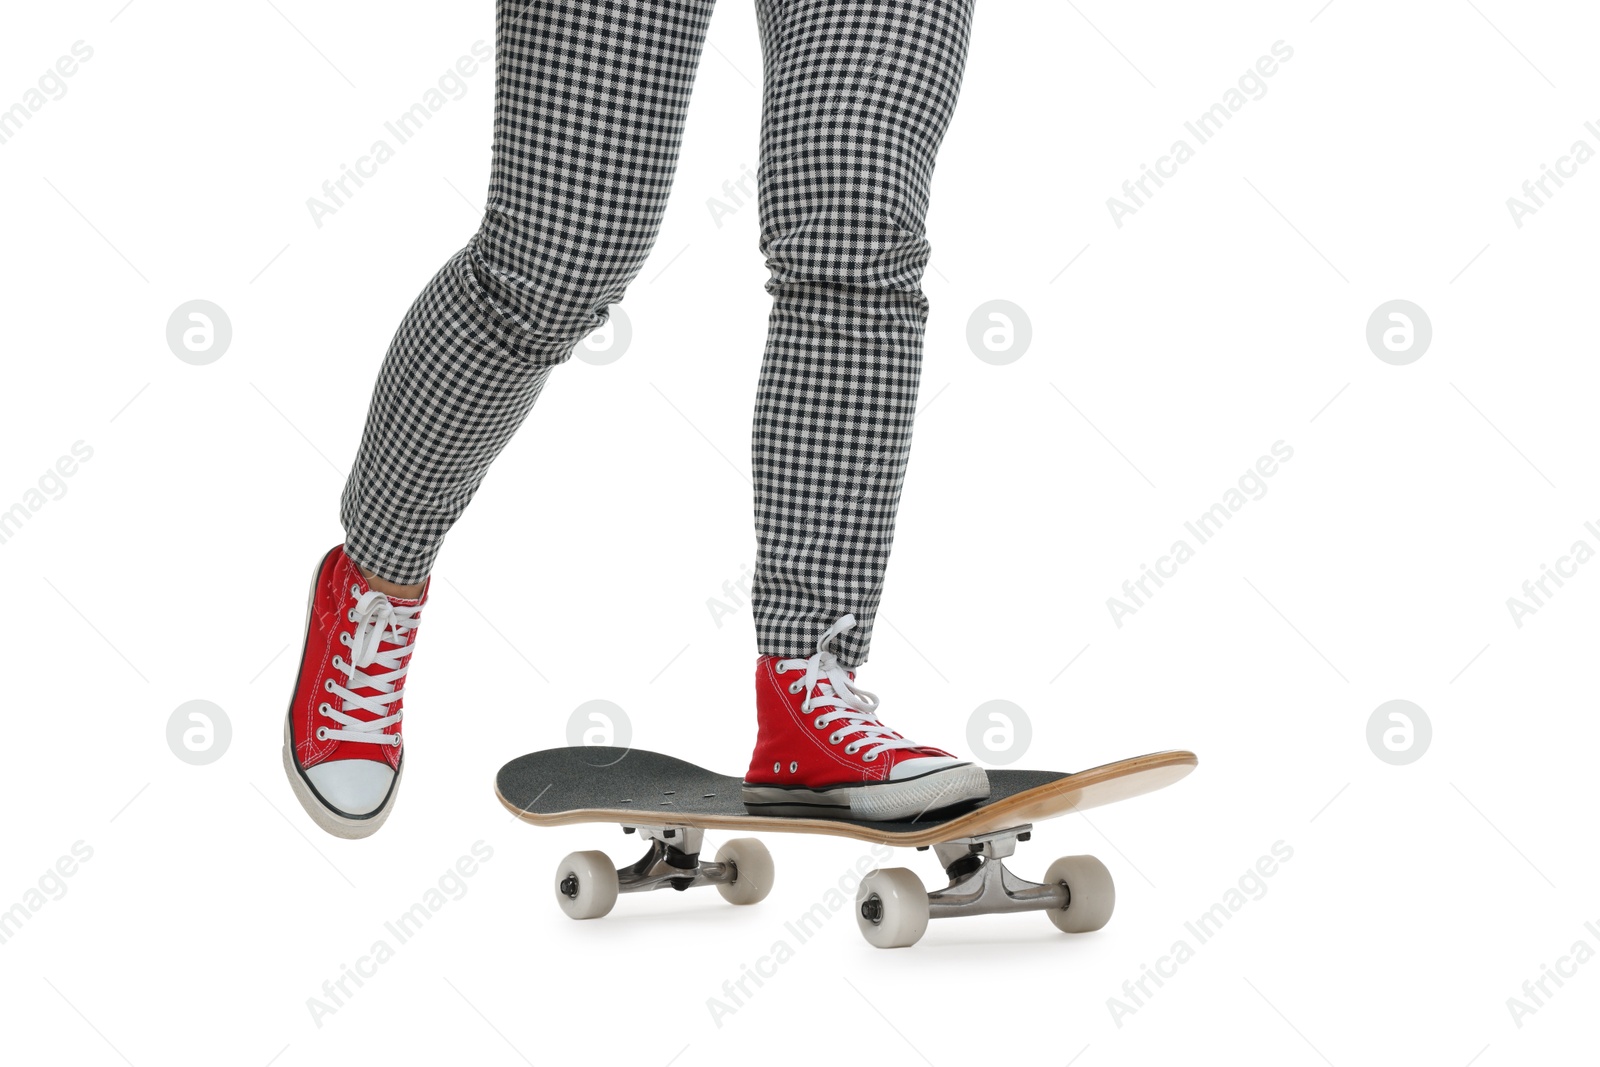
point(590, 103)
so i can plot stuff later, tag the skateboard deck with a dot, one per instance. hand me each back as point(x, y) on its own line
point(632, 787)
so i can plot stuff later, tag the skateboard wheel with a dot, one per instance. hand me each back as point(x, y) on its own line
point(586, 885)
point(892, 908)
point(752, 865)
point(1092, 894)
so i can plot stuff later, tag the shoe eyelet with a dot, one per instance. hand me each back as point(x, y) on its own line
point(328, 684)
point(793, 767)
point(776, 767)
point(338, 662)
point(324, 708)
point(834, 739)
point(851, 749)
point(355, 591)
point(351, 615)
point(396, 742)
point(344, 639)
point(869, 757)
point(795, 688)
point(322, 733)
point(819, 723)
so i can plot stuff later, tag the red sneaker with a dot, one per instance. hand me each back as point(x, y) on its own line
point(821, 749)
point(341, 739)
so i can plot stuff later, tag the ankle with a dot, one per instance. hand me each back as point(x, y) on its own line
point(388, 588)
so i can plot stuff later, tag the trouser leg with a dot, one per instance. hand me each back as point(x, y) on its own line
point(590, 101)
point(857, 97)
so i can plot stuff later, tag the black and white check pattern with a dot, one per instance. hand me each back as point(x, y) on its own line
point(590, 104)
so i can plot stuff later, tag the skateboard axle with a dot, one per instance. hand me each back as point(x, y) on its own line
point(672, 862)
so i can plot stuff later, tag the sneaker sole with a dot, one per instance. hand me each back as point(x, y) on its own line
point(335, 822)
point(877, 802)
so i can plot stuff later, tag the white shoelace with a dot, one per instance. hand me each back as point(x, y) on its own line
point(855, 710)
point(375, 617)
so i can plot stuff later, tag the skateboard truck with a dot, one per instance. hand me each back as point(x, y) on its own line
point(673, 861)
point(893, 909)
point(587, 884)
point(981, 884)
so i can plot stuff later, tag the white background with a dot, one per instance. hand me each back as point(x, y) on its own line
point(1226, 315)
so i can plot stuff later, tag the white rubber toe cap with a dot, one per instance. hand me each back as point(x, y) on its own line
point(913, 768)
point(353, 786)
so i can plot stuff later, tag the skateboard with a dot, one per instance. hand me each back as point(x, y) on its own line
point(671, 803)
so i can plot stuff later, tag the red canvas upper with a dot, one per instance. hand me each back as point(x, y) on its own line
point(788, 737)
point(339, 586)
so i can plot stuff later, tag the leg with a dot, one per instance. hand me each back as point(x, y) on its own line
point(857, 99)
point(858, 96)
point(589, 112)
